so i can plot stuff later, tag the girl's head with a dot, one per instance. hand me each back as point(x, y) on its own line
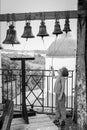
point(63, 72)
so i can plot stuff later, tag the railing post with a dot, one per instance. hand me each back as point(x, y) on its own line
point(81, 79)
point(24, 110)
point(0, 80)
point(0, 63)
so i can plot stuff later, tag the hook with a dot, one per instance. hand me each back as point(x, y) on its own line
point(13, 18)
point(8, 18)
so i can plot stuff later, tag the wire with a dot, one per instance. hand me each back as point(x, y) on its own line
point(43, 43)
point(23, 49)
point(62, 40)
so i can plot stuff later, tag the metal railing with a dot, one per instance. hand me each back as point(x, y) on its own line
point(39, 89)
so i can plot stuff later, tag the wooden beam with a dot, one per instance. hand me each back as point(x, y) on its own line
point(80, 110)
point(8, 115)
point(21, 58)
point(41, 15)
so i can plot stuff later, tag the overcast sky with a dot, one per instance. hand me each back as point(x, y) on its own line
point(23, 6)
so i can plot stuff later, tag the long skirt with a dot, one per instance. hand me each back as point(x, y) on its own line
point(60, 108)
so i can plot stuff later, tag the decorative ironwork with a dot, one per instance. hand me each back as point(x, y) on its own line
point(37, 88)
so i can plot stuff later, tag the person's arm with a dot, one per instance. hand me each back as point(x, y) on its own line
point(53, 71)
point(63, 87)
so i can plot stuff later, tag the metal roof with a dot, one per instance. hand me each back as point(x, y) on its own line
point(65, 46)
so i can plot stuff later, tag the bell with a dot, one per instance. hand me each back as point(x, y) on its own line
point(11, 37)
point(66, 26)
point(1, 47)
point(57, 29)
point(42, 30)
point(27, 31)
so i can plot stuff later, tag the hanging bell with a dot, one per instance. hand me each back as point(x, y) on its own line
point(67, 26)
point(27, 31)
point(11, 37)
point(42, 30)
point(57, 29)
point(1, 47)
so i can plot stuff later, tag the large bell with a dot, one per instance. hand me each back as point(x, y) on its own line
point(66, 26)
point(27, 31)
point(57, 29)
point(42, 30)
point(11, 37)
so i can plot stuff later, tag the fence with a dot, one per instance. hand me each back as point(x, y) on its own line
point(39, 87)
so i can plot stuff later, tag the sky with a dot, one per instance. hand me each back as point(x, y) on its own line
point(25, 6)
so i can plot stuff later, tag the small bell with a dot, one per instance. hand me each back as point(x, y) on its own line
point(1, 47)
point(66, 26)
point(57, 29)
point(11, 37)
point(27, 31)
point(42, 30)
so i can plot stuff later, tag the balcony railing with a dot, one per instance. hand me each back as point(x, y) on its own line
point(39, 87)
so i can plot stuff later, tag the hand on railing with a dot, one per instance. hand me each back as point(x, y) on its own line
point(52, 72)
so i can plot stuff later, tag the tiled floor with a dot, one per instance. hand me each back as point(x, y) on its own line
point(38, 122)
point(41, 122)
point(70, 125)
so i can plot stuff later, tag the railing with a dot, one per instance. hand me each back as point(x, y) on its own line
point(7, 116)
point(39, 89)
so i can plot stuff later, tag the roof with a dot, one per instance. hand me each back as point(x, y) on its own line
point(65, 46)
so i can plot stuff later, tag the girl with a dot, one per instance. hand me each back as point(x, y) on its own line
point(59, 89)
